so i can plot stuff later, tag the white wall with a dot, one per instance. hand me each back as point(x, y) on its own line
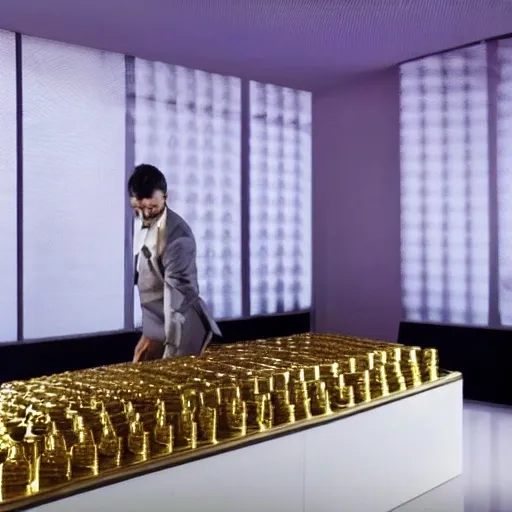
point(356, 208)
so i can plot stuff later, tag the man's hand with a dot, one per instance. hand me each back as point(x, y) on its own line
point(147, 349)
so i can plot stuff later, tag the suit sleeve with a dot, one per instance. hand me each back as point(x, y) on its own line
point(179, 255)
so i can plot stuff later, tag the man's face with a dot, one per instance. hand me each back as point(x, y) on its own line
point(149, 209)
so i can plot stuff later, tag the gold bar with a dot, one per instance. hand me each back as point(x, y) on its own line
point(71, 428)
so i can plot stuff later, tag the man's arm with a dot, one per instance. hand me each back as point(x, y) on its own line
point(176, 260)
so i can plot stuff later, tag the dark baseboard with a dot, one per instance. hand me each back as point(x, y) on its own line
point(483, 355)
point(19, 361)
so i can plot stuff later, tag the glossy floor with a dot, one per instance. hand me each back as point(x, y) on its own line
point(486, 484)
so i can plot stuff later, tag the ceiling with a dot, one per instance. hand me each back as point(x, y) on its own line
point(307, 44)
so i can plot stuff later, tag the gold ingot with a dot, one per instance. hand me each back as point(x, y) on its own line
point(284, 411)
point(320, 402)
point(396, 355)
point(57, 436)
point(430, 356)
point(84, 453)
point(186, 422)
point(6, 442)
point(303, 409)
point(383, 380)
point(249, 389)
point(350, 396)
point(164, 437)
point(291, 414)
point(266, 384)
point(16, 430)
point(231, 393)
point(218, 395)
point(207, 424)
point(328, 408)
point(264, 412)
point(364, 393)
point(33, 447)
point(312, 372)
point(395, 377)
point(281, 381)
point(15, 470)
point(432, 373)
point(177, 398)
point(338, 396)
point(300, 375)
point(161, 410)
point(396, 368)
point(352, 379)
point(120, 451)
point(210, 398)
point(138, 439)
point(130, 412)
point(71, 410)
point(330, 370)
point(259, 385)
point(382, 357)
point(236, 417)
point(412, 374)
point(54, 463)
point(300, 389)
point(430, 364)
point(78, 423)
point(193, 436)
point(416, 377)
point(109, 444)
point(414, 356)
point(140, 445)
point(190, 401)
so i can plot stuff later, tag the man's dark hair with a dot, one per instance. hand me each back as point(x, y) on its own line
point(145, 181)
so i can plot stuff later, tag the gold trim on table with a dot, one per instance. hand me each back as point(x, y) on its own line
point(72, 431)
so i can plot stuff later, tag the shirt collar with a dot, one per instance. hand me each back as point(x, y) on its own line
point(159, 224)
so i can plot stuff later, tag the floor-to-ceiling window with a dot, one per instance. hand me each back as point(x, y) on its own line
point(75, 121)
point(8, 195)
point(456, 127)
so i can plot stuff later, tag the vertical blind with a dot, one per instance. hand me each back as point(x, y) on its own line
point(504, 162)
point(445, 187)
point(280, 199)
point(8, 256)
point(73, 193)
point(188, 123)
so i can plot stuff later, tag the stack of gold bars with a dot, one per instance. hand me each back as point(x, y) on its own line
point(74, 427)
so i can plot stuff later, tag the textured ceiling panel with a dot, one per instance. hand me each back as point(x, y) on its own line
point(301, 43)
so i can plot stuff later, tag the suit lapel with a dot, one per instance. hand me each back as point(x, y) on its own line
point(162, 233)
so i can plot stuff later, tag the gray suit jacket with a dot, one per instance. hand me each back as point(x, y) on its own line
point(172, 311)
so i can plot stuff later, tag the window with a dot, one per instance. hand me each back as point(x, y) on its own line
point(88, 117)
point(74, 189)
point(504, 142)
point(280, 199)
point(445, 187)
point(188, 124)
point(8, 260)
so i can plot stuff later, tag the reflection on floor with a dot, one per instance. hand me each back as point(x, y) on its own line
point(486, 485)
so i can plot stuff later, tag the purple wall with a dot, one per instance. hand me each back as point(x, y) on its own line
point(356, 208)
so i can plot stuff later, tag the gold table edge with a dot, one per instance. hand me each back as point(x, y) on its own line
point(168, 461)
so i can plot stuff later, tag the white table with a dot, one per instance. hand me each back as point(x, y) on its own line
point(372, 461)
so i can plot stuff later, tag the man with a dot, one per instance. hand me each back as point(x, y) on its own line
point(175, 321)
